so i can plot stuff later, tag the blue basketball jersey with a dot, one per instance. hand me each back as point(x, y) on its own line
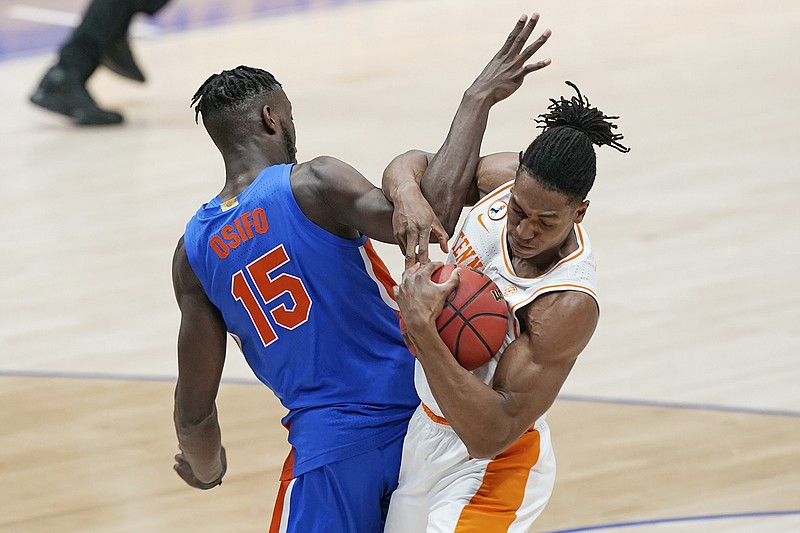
point(313, 315)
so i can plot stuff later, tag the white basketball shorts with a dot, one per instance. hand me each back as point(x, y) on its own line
point(443, 490)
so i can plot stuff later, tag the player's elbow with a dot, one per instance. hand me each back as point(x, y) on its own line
point(192, 419)
point(490, 443)
point(486, 448)
point(484, 451)
point(480, 453)
point(192, 414)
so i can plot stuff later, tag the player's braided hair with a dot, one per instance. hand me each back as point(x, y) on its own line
point(231, 89)
point(562, 157)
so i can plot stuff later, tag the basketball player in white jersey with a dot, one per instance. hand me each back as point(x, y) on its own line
point(477, 456)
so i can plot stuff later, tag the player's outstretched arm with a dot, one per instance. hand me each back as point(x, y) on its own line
point(201, 462)
point(339, 199)
point(448, 178)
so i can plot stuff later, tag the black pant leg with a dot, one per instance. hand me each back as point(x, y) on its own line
point(103, 22)
point(150, 6)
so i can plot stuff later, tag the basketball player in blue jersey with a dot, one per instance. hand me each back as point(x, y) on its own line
point(281, 259)
point(478, 455)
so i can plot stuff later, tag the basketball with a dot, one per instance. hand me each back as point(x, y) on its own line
point(474, 319)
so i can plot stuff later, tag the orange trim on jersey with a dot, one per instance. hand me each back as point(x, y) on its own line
point(556, 288)
point(494, 506)
point(548, 288)
point(381, 272)
point(498, 191)
point(581, 244)
point(572, 257)
point(433, 416)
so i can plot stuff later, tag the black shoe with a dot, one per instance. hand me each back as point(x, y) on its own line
point(119, 59)
point(62, 92)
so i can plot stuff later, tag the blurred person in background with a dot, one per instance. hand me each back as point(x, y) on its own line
point(100, 38)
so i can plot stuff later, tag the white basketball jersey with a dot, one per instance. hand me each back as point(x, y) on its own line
point(482, 245)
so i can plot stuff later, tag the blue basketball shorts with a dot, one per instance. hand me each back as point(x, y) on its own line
point(348, 496)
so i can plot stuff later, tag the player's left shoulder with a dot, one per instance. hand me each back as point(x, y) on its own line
point(564, 315)
point(559, 325)
point(324, 167)
point(325, 189)
point(184, 279)
point(566, 303)
point(313, 179)
point(323, 175)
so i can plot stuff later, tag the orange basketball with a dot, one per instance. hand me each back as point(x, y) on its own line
point(474, 319)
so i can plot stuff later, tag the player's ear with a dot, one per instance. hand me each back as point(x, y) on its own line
point(268, 120)
point(581, 212)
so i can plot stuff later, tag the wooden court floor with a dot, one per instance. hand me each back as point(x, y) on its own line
point(683, 414)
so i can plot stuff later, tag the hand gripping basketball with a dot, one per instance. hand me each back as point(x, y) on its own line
point(474, 320)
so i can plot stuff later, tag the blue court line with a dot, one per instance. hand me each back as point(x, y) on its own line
point(678, 405)
point(699, 518)
point(21, 38)
point(110, 376)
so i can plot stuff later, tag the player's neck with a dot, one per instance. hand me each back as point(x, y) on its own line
point(241, 169)
point(542, 263)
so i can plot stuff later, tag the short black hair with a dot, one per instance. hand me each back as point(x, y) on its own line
point(562, 157)
point(231, 89)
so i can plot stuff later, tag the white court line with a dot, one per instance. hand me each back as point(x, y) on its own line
point(45, 16)
point(70, 19)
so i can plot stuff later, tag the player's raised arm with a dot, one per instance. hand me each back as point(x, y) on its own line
point(448, 179)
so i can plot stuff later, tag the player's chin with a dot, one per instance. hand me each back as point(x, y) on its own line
point(521, 251)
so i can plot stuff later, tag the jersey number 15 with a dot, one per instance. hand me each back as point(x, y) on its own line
point(270, 288)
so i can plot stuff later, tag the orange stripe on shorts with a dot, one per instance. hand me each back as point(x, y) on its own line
point(287, 473)
point(493, 508)
point(277, 512)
